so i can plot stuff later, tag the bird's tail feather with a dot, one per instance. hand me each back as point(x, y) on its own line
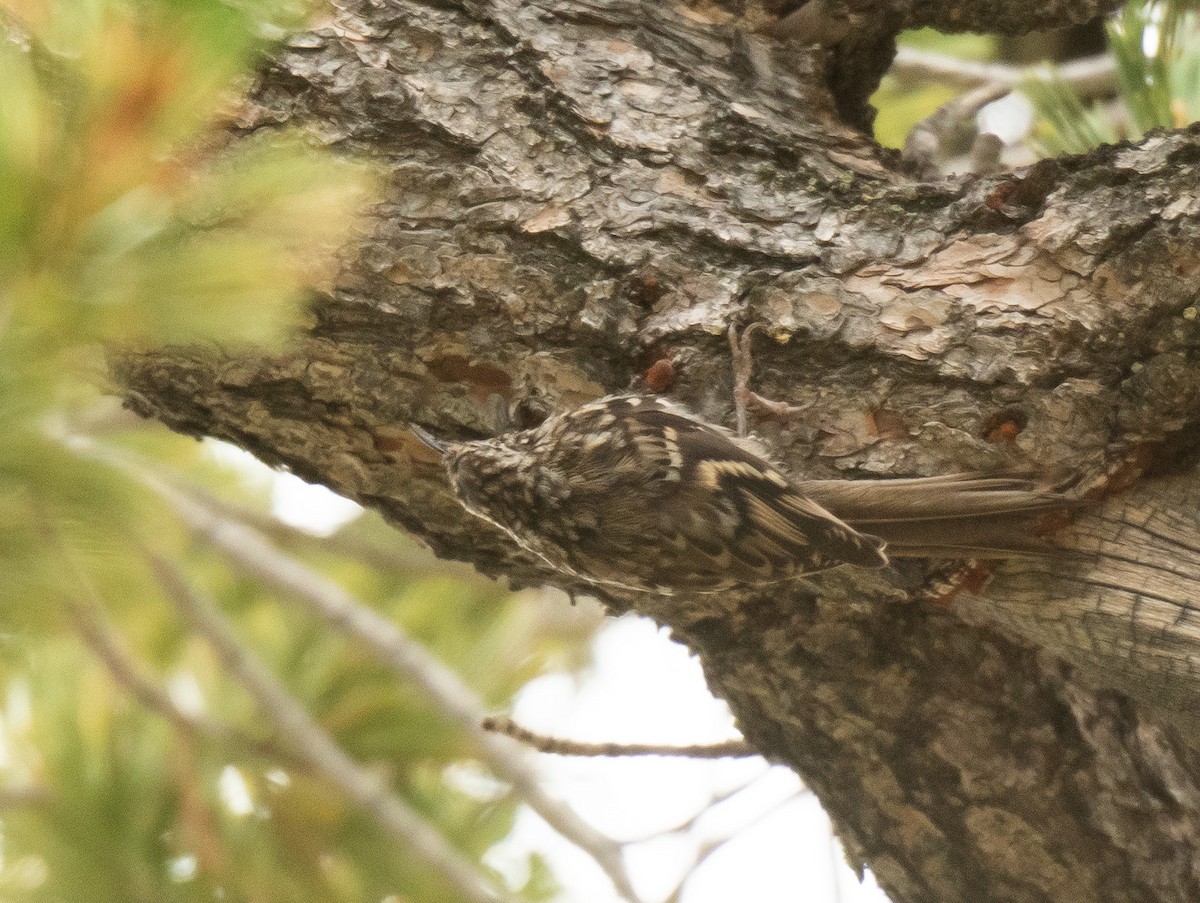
point(956, 516)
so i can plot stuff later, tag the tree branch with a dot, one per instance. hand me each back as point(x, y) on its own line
point(413, 664)
point(1094, 76)
point(559, 746)
point(311, 744)
point(101, 639)
point(409, 660)
point(578, 191)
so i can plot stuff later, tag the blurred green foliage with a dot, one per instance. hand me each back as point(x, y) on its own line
point(1156, 48)
point(123, 219)
point(1157, 52)
point(901, 104)
point(127, 216)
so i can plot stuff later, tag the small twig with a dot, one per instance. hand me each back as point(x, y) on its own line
point(312, 745)
point(88, 615)
point(24, 797)
point(730, 749)
point(402, 557)
point(688, 824)
point(923, 148)
point(987, 82)
point(253, 554)
point(413, 663)
point(711, 846)
point(1094, 76)
point(101, 638)
point(98, 635)
point(409, 660)
point(743, 366)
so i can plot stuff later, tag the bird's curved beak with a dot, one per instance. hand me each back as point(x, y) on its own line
point(432, 441)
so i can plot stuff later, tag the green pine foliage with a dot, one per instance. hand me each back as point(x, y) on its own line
point(1157, 52)
point(126, 217)
point(901, 104)
point(1155, 45)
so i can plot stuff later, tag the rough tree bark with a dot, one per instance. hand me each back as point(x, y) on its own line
point(577, 189)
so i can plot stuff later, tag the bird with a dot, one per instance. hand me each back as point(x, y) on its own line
point(635, 492)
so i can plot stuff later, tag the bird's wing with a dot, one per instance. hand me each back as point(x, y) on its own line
point(738, 509)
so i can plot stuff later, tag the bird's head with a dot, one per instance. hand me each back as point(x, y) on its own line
point(491, 477)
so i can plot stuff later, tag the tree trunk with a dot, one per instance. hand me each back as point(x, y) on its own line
point(578, 189)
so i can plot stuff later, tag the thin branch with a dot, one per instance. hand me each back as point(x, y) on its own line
point(100, 637)
point(708, 847)
point(24, 797)
point(410, 660)
point(688, 824)
point(402, 557)
point(1094, 76)
point(923, 148)
point(314, 746)
point(730, 749)
point(250, 551)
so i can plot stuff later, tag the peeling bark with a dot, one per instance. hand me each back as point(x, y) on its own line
point(577, 190)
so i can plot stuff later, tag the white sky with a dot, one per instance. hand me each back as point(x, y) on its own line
point(644, 688)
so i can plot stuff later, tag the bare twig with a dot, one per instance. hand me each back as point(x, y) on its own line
point(24, 797)
point(408, 659)
point(312, 745)
point(743, 368)
point(403, 556)
point(100, 637)
point(688, 824)
point(729, 749)
point(250, 551)
point(986, 82)
point(923, 148)
point(102, 640)
point(710, 846)
point(1094, 76)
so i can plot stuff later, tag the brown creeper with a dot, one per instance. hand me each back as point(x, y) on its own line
point(635, 492)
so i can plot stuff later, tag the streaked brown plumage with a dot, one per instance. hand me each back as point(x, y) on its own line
point(635, 492)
